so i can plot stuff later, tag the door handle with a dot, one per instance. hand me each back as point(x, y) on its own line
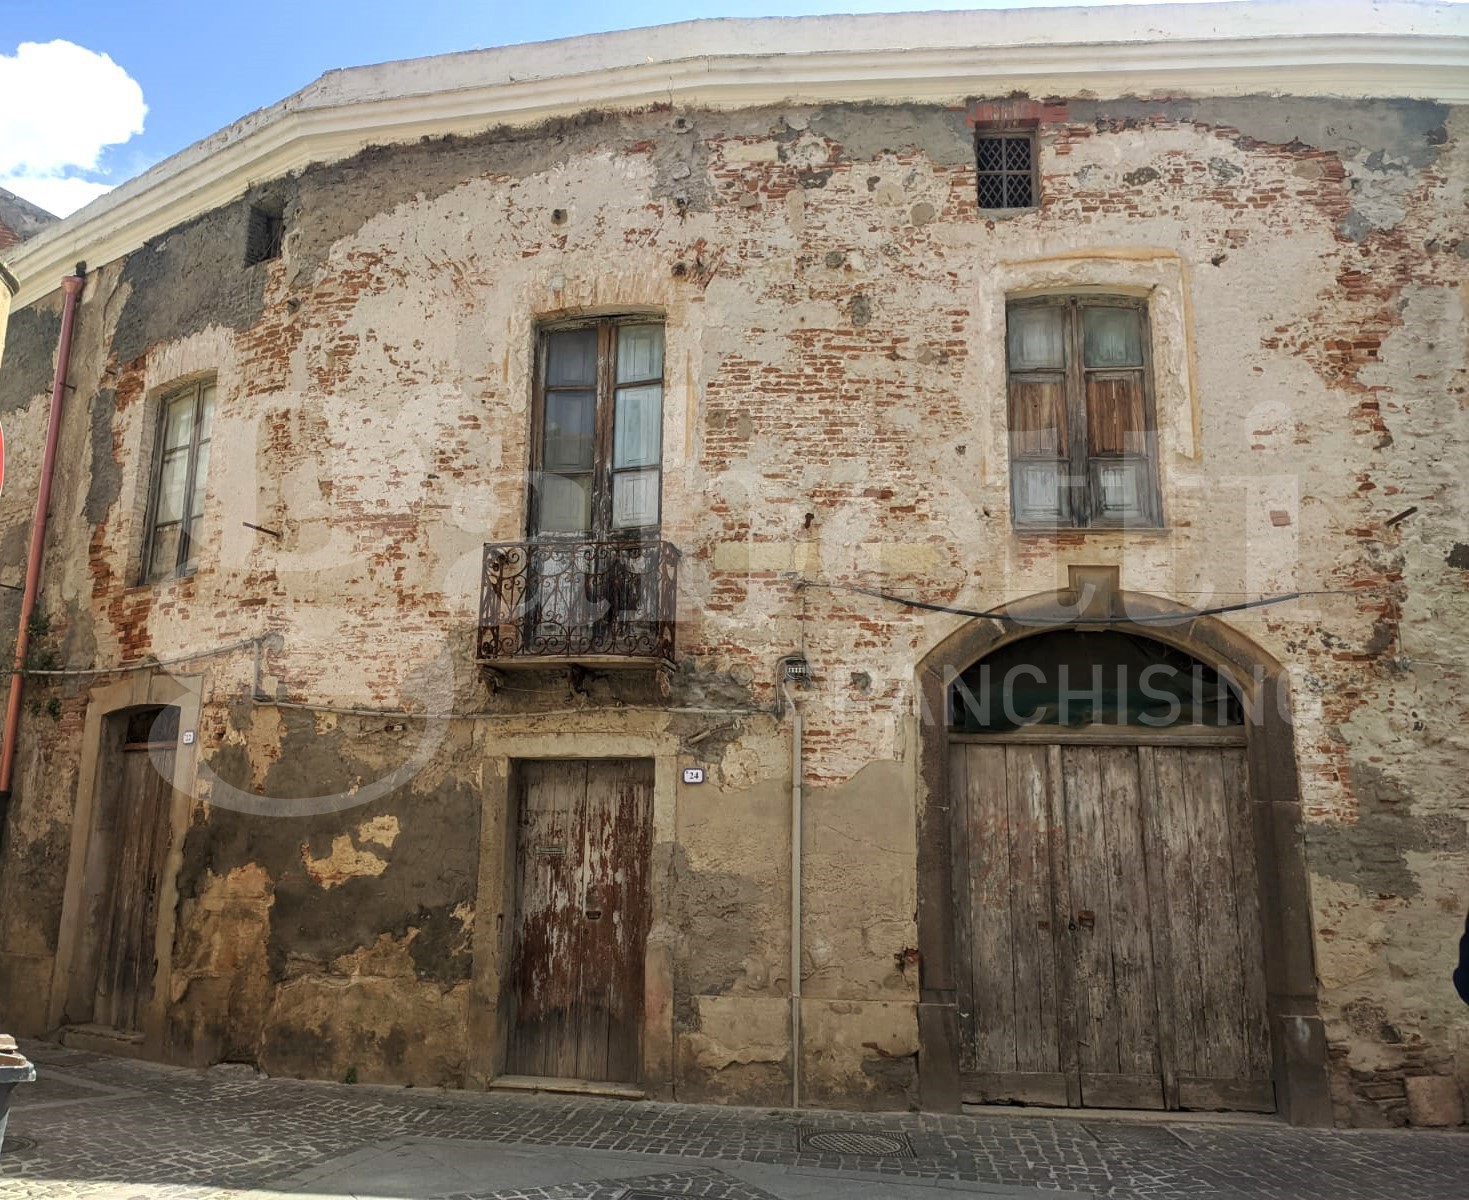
point(594, 914)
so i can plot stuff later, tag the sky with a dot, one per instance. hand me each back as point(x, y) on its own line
point(149, 77)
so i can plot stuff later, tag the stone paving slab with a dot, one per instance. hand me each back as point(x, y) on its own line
point(125, 1130)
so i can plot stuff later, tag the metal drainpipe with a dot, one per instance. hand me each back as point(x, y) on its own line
point(796, 889)
point(72, 285)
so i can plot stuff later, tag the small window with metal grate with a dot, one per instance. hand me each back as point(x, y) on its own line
point(264, 234)
point(1006, 164)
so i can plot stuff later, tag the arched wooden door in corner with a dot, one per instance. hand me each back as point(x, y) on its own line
point(1106, 896)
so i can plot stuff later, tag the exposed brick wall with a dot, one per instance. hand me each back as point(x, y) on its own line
point(834, 411)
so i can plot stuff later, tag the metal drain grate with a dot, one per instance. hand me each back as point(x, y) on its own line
point(639, 1194)
point(859, 1143)
point(1138, 1137)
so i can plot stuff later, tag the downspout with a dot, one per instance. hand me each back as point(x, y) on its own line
point(796, 889)
point(72, 285)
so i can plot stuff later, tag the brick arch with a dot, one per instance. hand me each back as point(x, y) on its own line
point(1092, 601)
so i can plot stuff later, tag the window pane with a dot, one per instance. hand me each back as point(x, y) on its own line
point(1114, 414)
point(178, 422)
point(164, 564)
point(1119, 488)
point(193, 549)
point(565, 503)
point(1017, 154)
point(171, 479)
point(570, 424)
point(1038, 416)
point(639, 353)
point(634, 499)
point(1036, 337)
point(201, 473)
point(990, 153)
point(206, 416)
point(637, 433)
point(571, 358)
point(1113, 337)
point(1017, 191)
point(1038, 492)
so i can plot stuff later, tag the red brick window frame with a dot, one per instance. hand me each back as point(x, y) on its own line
point(1007, 151)
point(1006, 168)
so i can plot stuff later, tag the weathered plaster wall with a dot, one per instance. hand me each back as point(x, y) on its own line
point(834, 307)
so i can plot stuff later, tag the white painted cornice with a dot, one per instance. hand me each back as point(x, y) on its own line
point(1348, 48)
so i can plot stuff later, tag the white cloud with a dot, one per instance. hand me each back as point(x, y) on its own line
point(61, 105)
point(56, 194)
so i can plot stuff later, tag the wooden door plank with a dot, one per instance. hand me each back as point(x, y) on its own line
point(989, 915)
point(1090, 941)
point(1135, 996)
point(1118, 1090)
point(1032, 909)
point(109, 838)
point(546, 954)
point(155, 794)
point(964, 867)
point(616, 915)
point(118, 847)
point(1247, 909)
point(1186, 917)
point(1226, 1095)
point(598, 913)
point(1062, 952)
point(566, 958)
point(1160, 923)
point(1015, 1087)
point(1217, 945)
point(116, 984)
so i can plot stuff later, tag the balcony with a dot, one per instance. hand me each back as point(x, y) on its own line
point(586, 604)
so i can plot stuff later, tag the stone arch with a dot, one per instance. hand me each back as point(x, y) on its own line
point(1093, 601)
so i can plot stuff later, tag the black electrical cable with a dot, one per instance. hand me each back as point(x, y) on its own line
point(1161, 618)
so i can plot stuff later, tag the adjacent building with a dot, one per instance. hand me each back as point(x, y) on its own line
point(895, 561)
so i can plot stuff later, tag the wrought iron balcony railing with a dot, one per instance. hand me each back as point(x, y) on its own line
point(578, 602)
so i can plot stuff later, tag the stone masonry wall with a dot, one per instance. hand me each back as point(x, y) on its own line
point(835, 412)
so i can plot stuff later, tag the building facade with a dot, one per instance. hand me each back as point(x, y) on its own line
point(568, 564)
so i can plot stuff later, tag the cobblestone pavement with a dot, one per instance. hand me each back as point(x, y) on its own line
point(104, 1127)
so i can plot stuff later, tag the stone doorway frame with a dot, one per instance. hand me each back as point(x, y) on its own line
point(600, 737)
point(140, 689)
point(1094, 601)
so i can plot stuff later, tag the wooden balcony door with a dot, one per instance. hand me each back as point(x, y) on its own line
point(596, 476)
point(581, 919)
point(1109, 934)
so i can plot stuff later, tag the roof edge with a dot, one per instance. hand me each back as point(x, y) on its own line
point(1372, 51)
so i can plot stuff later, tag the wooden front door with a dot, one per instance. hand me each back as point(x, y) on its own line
point(138, 830)
point(1108, 936)
point(581, 919)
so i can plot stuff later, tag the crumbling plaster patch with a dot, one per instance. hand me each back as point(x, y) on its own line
point(30, 355)
point(188, 279)
point(345, 862)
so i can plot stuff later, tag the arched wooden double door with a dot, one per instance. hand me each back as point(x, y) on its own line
point(1106, 896)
